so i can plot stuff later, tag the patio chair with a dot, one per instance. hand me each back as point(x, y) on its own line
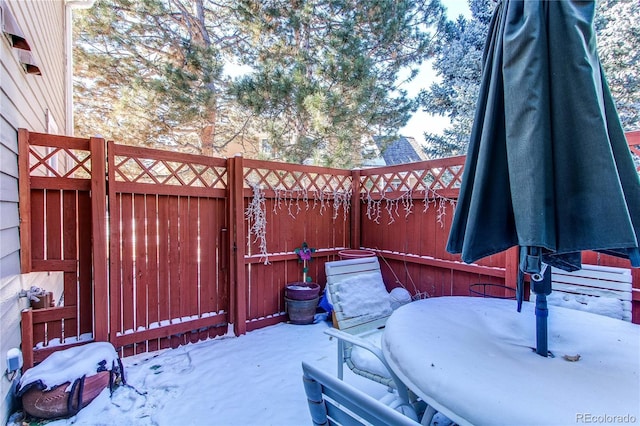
point(332, 402)
point(361, 306)
point(597, 289)
point(360, 309)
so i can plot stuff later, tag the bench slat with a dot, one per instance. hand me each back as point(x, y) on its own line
point(596, 275)
point(595, 281)
point(588, 282)
point(592, 291)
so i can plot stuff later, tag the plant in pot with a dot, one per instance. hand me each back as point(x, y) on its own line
point(39, 298)
point(302, 297)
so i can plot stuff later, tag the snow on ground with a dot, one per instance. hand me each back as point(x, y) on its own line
point(254, 379)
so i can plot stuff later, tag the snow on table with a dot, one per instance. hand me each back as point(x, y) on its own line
point(472, 359)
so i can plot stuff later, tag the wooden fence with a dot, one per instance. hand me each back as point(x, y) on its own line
point(58, 232)
point(168, 248)
point(406, 214)
point(290, 204)
point(159, 249)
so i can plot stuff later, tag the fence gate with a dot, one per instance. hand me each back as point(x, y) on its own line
point(59, 217)
point(168, 225)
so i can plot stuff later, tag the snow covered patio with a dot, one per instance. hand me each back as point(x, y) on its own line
point(256, 379)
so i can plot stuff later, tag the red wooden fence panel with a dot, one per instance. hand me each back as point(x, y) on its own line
point(412, 246)
point(55, 209)
point(633, 138)
point(405, 216)
point(168, 214)
point(298, 204)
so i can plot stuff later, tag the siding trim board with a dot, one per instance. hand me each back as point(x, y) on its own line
point(24, 102)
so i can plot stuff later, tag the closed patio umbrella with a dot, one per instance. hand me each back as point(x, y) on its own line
point(548, 168)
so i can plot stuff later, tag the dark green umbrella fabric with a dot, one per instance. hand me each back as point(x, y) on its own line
point(548, 166)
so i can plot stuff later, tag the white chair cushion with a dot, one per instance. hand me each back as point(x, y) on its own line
point(367, 361)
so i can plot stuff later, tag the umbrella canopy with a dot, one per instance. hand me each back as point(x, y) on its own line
point(548, 166)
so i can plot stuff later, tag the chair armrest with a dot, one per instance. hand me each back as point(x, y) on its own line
point(358, 341)
point(355, 340)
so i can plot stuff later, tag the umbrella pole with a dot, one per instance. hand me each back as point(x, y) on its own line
point(541, 325)
point(541, 289)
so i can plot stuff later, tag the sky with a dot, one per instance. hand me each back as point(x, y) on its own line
point(422, 121)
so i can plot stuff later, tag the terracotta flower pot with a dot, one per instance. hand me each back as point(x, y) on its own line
point(301, 311)
point(355, 254)
point(302, 291)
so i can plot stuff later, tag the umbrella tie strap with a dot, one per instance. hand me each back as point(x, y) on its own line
point(531, 262)
point(540, 275)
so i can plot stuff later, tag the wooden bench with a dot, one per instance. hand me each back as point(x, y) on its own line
point(602, 290)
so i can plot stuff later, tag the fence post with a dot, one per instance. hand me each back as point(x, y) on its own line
point(24, 200)
point(511, 265)
point(237, 246)
point(99, 239)
point(27, 338)
point(355, 210)
point(633, 139)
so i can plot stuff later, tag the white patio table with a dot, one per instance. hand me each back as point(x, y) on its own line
point(472, 359)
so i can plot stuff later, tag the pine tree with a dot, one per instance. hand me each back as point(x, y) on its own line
point(150, 72)
point(325, 73)
point(459, 65)
point(618, 37)
point(459, 60)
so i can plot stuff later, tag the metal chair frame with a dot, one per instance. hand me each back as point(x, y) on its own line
point(334, 402)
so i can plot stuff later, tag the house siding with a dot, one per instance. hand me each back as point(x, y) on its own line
point(32, 102)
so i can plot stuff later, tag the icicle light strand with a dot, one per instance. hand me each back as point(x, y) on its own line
point(294, 201)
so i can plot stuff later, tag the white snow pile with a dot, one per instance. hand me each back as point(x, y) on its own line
point(71, 364)
point(253, 379)
point(607, 306)
point(364, 294)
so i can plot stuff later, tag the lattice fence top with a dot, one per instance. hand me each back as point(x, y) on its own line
point(59, 162)
point(293, 189)
point(135, 168)
point(296, 181)
point(428, 179)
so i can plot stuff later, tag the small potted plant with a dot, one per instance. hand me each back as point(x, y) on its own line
point(39, 298)
point(302, 297)
point(305, 289)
